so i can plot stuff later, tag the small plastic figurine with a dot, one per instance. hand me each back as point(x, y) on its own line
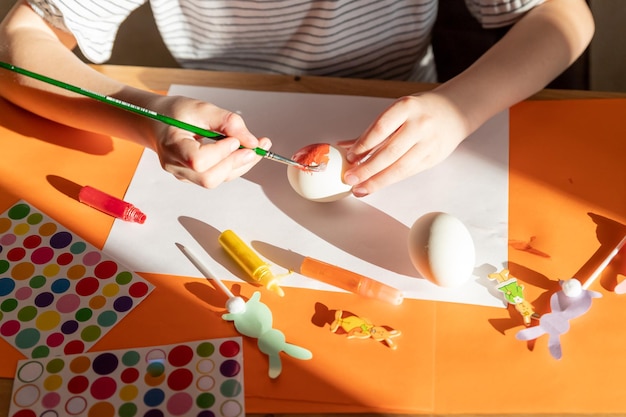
point(514, 294)
point(362, 328)
point(571, 302)
point(255, 320)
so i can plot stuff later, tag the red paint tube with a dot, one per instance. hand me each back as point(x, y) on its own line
point(110, 205)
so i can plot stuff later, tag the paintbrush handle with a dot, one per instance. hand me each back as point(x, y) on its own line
point(116, 102)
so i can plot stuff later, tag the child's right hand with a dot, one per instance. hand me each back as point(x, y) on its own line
point(207, 164)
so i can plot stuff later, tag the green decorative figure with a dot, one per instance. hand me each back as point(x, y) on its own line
point(514, 294)
point(255, 320)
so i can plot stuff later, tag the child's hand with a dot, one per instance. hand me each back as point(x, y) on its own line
point(207, 164)
point(412, 135)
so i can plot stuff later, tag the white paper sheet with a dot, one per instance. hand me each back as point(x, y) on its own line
point(367, 236)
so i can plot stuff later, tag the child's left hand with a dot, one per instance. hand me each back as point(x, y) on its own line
point(413, 134)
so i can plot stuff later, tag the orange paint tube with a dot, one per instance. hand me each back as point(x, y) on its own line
point(350, 281)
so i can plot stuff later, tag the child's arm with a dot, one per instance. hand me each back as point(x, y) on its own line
point(29, 42)
point(420, 131)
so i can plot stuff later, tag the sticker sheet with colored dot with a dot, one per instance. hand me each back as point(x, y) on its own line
point(202, 379)
point(58, 294)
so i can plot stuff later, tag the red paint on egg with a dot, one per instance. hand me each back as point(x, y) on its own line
point(315, 154)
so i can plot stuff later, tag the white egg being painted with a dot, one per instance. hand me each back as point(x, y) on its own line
point(442, 250)
point(326, 185)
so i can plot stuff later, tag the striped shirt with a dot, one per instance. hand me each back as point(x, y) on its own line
point(387, 39)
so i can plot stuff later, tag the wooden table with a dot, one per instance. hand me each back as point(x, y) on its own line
point(160, 79)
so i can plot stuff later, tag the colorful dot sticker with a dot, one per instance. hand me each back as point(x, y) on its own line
point(190, 379)
point(58, 294)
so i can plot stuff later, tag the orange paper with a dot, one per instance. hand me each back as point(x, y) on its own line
point(567, 198)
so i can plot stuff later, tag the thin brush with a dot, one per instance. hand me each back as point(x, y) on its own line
point(154, 115)
point(604, 263)
point(234, 304)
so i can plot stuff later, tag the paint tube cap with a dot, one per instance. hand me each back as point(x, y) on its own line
point(374, 289)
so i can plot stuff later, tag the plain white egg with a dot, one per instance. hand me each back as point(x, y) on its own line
point(323, 186)
point(442, 250)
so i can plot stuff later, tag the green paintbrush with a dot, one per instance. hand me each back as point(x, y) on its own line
point(154, 115)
